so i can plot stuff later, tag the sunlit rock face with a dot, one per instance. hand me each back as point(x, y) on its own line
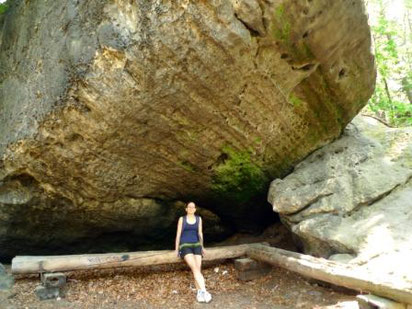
point(354, 196)
point(108, 104)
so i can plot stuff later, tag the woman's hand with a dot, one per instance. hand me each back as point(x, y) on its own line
point(203, 251)
point(177, 252)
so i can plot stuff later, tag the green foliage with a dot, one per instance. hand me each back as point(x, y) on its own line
point(4, 6)
point(390, 100)
point(237, 178)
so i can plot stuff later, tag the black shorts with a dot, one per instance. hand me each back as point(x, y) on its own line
point(188, 250)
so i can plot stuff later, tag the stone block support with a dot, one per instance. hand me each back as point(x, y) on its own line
point(53, 280)
point(51, 287)
point(249, 269)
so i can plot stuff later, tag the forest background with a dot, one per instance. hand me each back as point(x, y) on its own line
point(391, 26)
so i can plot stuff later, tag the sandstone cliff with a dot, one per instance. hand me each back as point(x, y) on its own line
point(112, 111)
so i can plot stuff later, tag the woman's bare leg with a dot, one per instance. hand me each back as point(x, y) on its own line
point(199, 280)
point(198, 259)
point(198, 263)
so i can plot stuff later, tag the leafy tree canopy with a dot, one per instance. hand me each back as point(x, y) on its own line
point(391, 26)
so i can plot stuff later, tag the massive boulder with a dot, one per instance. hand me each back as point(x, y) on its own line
point(352, 199)
point(112, 111)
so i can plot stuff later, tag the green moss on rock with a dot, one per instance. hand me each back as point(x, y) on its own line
point(188, 166)
point(295, 100)
point(282, 30)
point(238, 178)
point(289, 40)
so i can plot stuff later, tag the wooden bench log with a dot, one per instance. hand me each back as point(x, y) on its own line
point(346, 275)
point(41, 264)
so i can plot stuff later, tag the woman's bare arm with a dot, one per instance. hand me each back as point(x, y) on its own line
point(200, 232)
point(178, 233)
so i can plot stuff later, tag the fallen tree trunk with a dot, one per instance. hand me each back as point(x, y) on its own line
point(40, 264)
point(332, 272)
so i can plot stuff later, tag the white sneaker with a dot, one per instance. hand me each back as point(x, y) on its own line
point(207, 297)
point(200, 297)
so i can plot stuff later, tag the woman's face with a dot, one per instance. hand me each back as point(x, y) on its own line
point(190, 208)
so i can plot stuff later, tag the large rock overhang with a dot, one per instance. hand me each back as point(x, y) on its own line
point(115, 103)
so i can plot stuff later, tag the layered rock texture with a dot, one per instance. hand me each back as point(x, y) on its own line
point(112, 111)
point(352, 199)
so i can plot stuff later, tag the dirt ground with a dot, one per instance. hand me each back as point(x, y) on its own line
point(172, 287)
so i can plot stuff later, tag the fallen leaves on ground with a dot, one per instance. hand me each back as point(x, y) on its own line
point(173, 287)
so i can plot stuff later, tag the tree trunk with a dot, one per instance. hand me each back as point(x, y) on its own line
point(40, 264)
point(333, 272)
point(388, 94)
point(407, 88)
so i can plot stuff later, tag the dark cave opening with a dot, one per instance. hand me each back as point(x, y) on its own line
point(52, 225)
point(248, 223)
